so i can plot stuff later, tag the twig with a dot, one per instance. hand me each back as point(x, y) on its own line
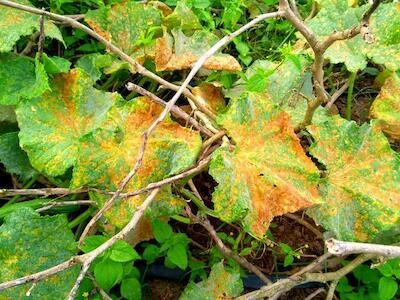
point(178, 112)
point(66, 203)
point(341, 248)
point(87, 258)
point(337, 94)
point(30, 44)
point(315, 293)
point(226, 251)
point(194, 189)
point(171, 103)
point(41, 192)
point(305, 224)
point(332, 288)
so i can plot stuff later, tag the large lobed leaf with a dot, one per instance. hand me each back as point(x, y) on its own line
point(30, 243)
point(61, 129)
point(53, 124)
point(386, 107)
point(354, 53)
point(21, 77)
point(361, 189)
point(267, 174)
point(170, 149)
point(221, 284)
point(16, 23)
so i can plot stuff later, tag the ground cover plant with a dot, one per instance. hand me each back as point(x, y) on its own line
point(244, 148)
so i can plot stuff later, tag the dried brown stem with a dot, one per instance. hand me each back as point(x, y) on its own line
point(226, 251)
point(41, 192)
point(305, 224)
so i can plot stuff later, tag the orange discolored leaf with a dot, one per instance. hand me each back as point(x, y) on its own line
point(210, 96)
point(386, 107)
point(170, 149)
point(361, 188)
point(267, 174)
point(176, 51)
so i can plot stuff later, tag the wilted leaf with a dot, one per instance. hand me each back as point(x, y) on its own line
point(15, 23)
point(170, 149)
point(53, 124)
point(384, 22)
point(221, 284)
point(21, 77)
point(266, 175)
point(129, 25)
point(179, 52)
point(14, 158)
point(386, 107)
point(210, 96)
point(30, 243)
point(362, 184)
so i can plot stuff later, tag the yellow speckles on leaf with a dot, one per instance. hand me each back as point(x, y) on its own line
point(210, 96)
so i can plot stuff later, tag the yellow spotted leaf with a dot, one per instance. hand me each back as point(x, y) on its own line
point(210, 96)
point(361, 188)
point(386, 107)
point(170, 149)
point(267, 174)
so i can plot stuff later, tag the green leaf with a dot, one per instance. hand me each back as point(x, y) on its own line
point(131, 289)
point(30, 243)
point(361, 188)
point(387, 288)
point(53, 124)
point(257, 83)
point(108, 273)
point(14, 158)
point(121, 251)
point(15, 23)
point(7, 114)
point(150, 253)
point(384, 23)
point(55, 64)
point(177, 254)
point(177, 51)
point(182, 17)
point(220, 284)
point(265, 176)
point(21, 77)
point(386, 107)
point(92, 242)
point(170, 150)
point(93, 64)
point(162, 231)
point(127, 26)
point(289, 259)
point(386, 269)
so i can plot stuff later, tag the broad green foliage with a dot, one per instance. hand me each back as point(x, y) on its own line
point(128, 25)
point(55, 64)
point(14, 159)
point(30, 243)
point(266, 175)
point(53, 124)
point(221, 284)
point(16, 23)
point(182, 17)
point(287, 84)
point(176, 51)
point(354, 53)
point(170, 149)
point(96, 64)
point(7, 114)
point(20, 77)
point(361, 188)
point(386, 107)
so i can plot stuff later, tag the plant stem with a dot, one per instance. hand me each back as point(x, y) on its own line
point(349, 103)
point(181, 219)
point(26, 186)
point(198, 202)
point(83, 216)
